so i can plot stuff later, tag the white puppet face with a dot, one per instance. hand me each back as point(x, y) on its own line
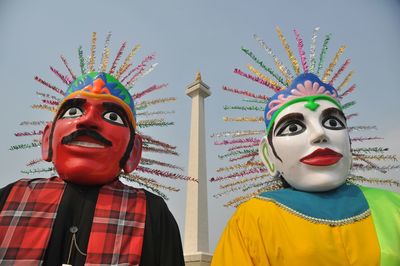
point(311, 149)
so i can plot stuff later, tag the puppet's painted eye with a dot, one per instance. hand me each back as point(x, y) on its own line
point(291, 128)
point(114, 118)
point(333, 123)
point(72, 112)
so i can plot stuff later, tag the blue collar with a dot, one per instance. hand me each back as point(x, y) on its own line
point(344, 202)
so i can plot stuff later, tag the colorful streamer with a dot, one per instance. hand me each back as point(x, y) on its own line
point(289, 52)
point(323, 52)
point(64, 78)
point(24, 146)
point(276, 86)
point(54, 88)
point(68, 67)
point(244, 119)
point(105, 54)
point(125, 64)
point(261, 64)
point(301, 51)
point(245, 93)
point(312, 49)
point(340, 71)
point(282, 68)
point(328, 71)
point(81, 60)
point(31, 133)
point(119, 54)
point(92, 57)
point(149, 90)
point(345, 81)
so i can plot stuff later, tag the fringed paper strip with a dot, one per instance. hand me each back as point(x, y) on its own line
point(363, 167)
point(348, 91)
point(125, 64)
point(329, 69)
point(158, 150)
point(374, 180)
point(239, 147)
point(237, 152)
point(281, 67)
point(150, 140)
point(289, 52)
point(51, 102)
point(155, 113)
point(54, 88)
point(370, 150)
point(375, 157)
point(361, 128)
point(142, 65)
point(243, 108)
point(92, 53)
point(145, 161)
point(252, 155)
point(117, 57)
point(64, 60)
point(44, 107)
point(302, 54)
point(240, 166)
point(246, 93)
point(312, 49)
point(238, 133)
point(361, 139)
point(152, 182)
point(38, 170)
point(143, 182)
point(340, 71)
point(105, 54)
point(48, 96)
point(345, 81)
point(153, 123)
point(34, 162)
point(24, 146)
point(269, 186)
point(31, 133)
point(149, 90)
point(261, 64)
point(244, 119)
point(238, 174)
point(348, 105)
point(262, 102)
point(367, 161)
point(34, 123)
point(81, 61)
point(165, 174)
point(236, 141)
point(323, 52)
point(350, 116)
point(144, 104)
point(256, 79)
point(63, 78)
point(255, 71)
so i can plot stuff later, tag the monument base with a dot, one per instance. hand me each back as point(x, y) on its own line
point(198, 259)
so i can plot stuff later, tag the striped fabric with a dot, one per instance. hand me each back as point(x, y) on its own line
point(28, 216)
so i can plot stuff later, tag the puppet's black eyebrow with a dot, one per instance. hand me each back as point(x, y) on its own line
point(333, 111)
point(75, 102)
point(115, 107)
point(291, 116)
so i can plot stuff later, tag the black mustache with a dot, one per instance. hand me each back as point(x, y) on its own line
point(85, 132)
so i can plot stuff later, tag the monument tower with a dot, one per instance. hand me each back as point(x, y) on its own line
point(196, 220)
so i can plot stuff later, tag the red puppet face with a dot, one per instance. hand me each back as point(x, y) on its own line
point(88, 140)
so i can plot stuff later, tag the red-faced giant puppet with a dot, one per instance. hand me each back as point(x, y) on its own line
point(86, 215)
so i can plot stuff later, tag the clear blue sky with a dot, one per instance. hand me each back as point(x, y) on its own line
point(189, 36)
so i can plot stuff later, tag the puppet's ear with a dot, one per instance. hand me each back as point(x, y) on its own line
point(134, 156)
point(46, 143)
point(264, 151)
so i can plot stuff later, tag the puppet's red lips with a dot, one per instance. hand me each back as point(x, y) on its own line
point(322, 157)
point(87, 142)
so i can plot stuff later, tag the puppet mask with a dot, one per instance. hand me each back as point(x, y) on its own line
point(91, 134)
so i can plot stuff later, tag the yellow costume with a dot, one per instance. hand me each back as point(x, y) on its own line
point(263, 231)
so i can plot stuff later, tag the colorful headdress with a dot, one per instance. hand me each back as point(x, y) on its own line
point(246, 173)
point(115, 82)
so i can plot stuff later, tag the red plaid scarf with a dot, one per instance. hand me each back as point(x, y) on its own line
point(28, 216)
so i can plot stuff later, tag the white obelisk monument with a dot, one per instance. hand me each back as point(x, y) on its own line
point(196, 222)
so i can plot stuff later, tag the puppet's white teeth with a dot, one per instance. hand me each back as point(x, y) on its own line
point(86, 144)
